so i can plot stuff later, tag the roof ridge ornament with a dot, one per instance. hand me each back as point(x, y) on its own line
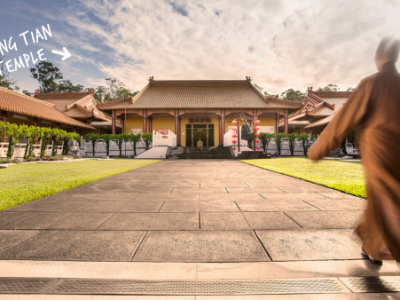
point(151, 78)
point(248, 78)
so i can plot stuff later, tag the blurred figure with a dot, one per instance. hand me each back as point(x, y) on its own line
point(375, 107)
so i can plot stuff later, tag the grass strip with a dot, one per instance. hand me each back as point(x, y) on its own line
point(26, 182)
point(343, 176)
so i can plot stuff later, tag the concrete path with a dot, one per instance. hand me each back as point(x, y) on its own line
point(188, 220)
point(186, 211)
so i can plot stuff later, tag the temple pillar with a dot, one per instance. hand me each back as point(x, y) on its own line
point(151, 124)
point(4, 119)
point(222, 126)
point(144, 121)
point(286, 115)
point(254, 129)
point(177, 124)
point(277, 123)
point(122, 120)
point(113, 122)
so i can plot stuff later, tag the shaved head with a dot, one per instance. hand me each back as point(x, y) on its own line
point(389, 48)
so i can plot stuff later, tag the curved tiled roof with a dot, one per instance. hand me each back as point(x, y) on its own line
point(74, 105)
point(186, 94)
point(28, 106)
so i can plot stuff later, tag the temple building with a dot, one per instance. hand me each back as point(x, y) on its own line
point(318, 109)
point(81, 106)
point(197, 110)
point(22, 109)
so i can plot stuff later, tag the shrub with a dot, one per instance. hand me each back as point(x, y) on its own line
point(292, 138)
point(279, 140)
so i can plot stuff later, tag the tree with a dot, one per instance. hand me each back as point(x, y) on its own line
point(25, 135)
point(45, 134)
point(26, 93)
point(47, 74)
point(134, 138)
point(93, 138)
point(305, 140)
point(66, 86)
point(292, 95)
point(13, 133)
point(107, 138)
point(33, 138)
point(292, 138)
point(3, 130)
point(350, 89)
point(119, 139)
point(147, 137)
point(278, 137)
point(329, 88)
point(5, 80)
point(115, 89)
point(265, 138)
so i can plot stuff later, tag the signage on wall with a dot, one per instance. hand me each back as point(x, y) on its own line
point(200, 120)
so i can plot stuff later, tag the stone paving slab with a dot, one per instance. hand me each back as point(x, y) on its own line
point(76, 245)
point(180, 206)
point(288, 245)
point(269, 220)
point(223, 221)
point(292, 205)
point(152, 221)
point(333, 204)
point(315, 219)
point(218, 205)
point(256, 205)
point(41, 205)
point(9, 238)
point(350, 218)
point(230, 197)
point(167, 197)
point(9, 216)
point(200, 246)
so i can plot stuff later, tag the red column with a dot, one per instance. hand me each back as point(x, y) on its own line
point(144, 121)
point(179, 133)
point(4, 119)
point(286, 122)
point(277, 123)
point(150, 124)
point(176, 123)
point(238, 133)
point(222, 126)
point(113, 122)
point(254, 130)
point(122, 120)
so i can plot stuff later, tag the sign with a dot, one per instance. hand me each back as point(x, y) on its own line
point(268, 129)
point(200, 120)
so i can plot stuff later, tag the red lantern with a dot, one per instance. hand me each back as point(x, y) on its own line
point(234, 141)
point(257, 141)
point(234, 128)
point(257, 147)
point(257, 134)
point(257, 128)
point(234, 148)
point(234, 122)
point(257, 122)
point(234, 135)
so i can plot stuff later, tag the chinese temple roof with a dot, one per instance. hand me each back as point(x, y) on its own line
point(13, 101)
point(74, 105)
point(207, 94)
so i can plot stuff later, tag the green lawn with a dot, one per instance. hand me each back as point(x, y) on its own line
point(347, 177)
point(26, 182)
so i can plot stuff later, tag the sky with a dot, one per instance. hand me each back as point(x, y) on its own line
point(279, 44)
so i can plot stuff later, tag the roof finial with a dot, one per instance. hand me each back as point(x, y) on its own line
point(248, 78)
point(309, 90)
point(151, 79)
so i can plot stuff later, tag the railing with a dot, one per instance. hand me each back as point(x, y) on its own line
point(162, 139)
point(19, 150)
point(100, 149)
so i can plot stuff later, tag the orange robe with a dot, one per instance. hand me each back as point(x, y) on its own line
point(375, 107)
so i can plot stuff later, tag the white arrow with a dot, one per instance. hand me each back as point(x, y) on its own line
point(66, 53)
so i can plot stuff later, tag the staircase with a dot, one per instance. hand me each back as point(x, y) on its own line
point(200, 153)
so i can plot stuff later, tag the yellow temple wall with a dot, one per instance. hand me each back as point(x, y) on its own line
point(134, 123)
point(164, 123)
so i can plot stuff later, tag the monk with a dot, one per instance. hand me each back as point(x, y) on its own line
point(374, 107)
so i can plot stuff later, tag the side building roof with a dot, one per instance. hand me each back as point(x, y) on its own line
point(74, 105)
point(207, 94)
point(28, 106)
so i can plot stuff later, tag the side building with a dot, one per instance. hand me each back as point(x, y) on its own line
point(22, 109)
point(197, 110)
point(318, 109)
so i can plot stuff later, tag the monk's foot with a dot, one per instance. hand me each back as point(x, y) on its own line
point(371, 259)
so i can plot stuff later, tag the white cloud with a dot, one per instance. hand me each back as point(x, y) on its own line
point(280, 44)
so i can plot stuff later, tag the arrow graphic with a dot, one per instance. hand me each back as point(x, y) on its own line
point(65, 54)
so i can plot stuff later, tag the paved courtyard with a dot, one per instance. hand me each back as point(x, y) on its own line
point(186, 211)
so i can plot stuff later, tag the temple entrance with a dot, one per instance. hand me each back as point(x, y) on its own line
point(199, 135)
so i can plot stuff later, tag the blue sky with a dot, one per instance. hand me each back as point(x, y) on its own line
point(280, 44)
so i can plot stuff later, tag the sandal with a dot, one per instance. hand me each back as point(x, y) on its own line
point(370, 258)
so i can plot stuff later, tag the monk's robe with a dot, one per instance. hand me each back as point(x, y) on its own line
point(374, 107)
